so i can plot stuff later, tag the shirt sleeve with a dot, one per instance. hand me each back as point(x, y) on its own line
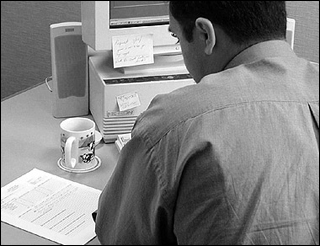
point(131, 209)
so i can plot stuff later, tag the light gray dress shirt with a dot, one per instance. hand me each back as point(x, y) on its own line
point(231, 160)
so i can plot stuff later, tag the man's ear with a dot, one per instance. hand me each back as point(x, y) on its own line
point(207, 33)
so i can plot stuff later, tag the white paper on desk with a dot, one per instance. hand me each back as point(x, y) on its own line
point(51, 207)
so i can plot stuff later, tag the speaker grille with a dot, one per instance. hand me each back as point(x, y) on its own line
point(70, 66)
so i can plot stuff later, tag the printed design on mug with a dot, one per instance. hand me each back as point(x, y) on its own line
point(86, 147)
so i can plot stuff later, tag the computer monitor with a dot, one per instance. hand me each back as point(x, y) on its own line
point(101, 20)
point(291, 26)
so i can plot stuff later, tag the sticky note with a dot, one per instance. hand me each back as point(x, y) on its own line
point(132, 50)
point(128, 101)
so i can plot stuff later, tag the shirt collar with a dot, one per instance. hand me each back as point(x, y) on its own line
point(274, 48)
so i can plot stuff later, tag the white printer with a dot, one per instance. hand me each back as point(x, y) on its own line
point(107, 84)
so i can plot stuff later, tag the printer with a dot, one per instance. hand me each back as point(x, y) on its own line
point(139, 84)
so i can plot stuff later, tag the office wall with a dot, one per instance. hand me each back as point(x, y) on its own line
point(306, 14)
point(25, 38)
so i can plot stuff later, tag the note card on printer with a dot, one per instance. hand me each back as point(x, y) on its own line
point(132, 50)
point(128, 101)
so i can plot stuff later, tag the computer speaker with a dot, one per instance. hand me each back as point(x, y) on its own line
point(69, 70)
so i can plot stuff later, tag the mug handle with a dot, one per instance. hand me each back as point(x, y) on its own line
point(68, 152)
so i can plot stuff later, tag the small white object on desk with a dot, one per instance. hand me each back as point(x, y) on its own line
point(122, 140)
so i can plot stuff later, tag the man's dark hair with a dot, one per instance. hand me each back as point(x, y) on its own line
point(243, 21)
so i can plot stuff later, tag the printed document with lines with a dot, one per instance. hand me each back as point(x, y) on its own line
point(51, 207)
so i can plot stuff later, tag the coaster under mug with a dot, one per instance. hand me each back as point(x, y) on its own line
point(97, 164)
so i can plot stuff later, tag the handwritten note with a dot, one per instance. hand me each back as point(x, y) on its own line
point(128, 101)
point(132, 50)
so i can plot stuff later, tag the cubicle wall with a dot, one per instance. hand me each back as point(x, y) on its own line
point(306, 15)
point(25, 38)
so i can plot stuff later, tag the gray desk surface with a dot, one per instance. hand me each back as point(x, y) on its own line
point(30, 139)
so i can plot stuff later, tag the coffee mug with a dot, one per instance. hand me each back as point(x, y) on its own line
point(77, 141)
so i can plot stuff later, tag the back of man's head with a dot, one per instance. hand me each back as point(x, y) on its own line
point(243, 21)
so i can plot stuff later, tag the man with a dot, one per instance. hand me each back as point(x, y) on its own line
point(233, 159)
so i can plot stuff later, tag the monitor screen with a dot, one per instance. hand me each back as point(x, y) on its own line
point(138, 13)
point(101, 20)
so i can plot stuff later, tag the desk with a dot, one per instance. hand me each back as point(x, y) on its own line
point(30, 138)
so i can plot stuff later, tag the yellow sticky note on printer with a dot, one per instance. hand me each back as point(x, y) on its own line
point(128, 101)
point(132, 50)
